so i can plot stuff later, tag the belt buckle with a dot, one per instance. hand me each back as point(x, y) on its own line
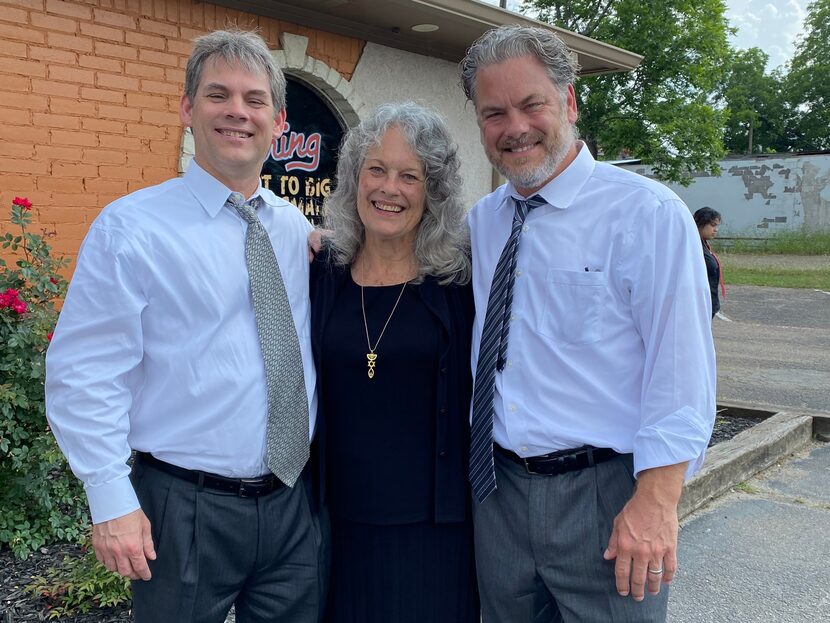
point(251, 487)
point(529, 469)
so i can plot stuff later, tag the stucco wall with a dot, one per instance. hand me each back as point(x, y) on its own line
point(385, 74)
point(761, 195)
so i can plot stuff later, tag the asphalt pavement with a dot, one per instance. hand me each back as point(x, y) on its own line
point(759, 554)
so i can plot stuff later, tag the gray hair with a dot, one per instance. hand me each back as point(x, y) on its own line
point(241, 48)
point(442, 240)
point(507, 42)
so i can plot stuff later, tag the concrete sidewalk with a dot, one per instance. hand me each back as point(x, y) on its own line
point(760, 553)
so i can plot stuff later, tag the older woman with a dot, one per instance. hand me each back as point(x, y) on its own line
point(392, 311)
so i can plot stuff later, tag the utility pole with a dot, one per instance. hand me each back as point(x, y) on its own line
point(503, 4)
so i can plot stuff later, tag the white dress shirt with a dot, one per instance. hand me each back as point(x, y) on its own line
point(156, 348)
point(610, 339)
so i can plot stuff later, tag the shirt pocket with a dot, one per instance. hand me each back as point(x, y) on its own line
point(573, 306)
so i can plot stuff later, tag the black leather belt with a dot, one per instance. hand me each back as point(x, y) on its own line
point(560, 462)
point(243, 487)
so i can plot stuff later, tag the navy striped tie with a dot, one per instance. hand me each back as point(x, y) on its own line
point(492, 354)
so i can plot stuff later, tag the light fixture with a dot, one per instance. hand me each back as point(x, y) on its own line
point(425, 27)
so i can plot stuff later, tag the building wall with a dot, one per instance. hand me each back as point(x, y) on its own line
point(760, 195)
point(90, 92)
point(384, 74)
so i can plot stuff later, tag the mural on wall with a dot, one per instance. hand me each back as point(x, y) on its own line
point(760, 195)
point(301, 164)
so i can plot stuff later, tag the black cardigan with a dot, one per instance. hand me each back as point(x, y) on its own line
point(453, 307)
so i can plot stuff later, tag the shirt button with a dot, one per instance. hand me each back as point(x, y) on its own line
point(526, 228)
point(509, 363)
point(442, 453)
point(518, 273)
point(523, 449)
point(511, 407)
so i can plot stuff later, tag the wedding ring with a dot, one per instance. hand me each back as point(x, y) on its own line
point(656, 571)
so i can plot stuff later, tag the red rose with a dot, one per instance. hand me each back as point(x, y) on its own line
point(19, 306)
point(49, 336)
point(53, 280)
point(22, 202)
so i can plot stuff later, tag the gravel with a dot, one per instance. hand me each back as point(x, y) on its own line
point(18, 606)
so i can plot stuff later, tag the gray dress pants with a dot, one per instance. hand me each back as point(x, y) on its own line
point(216, 549)
point(539, 542)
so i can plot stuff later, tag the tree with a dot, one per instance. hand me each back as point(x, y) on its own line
point(661, 112)
point(808, 81)
point(759, 115)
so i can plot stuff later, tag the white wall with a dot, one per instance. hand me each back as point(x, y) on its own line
point(387, 75)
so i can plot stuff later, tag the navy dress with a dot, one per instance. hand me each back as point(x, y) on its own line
point(401, 550)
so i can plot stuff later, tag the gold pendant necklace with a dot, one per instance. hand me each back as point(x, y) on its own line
point(371, 356)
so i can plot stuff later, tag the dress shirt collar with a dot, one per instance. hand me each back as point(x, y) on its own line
point(563, 189)
point(210, 192)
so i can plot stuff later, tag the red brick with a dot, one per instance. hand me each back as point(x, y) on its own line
point(158, 58)
point(17, 184)
point(74, 169)
point(102, 95)
point(189, 34)
point(119, 51)
point(56, 121)
point(16, 83)
point(71, 74)
point(103, 125)
point(119, 172)
point(27, 101)
point(20, 165)
point(33, 69)
point(111, 81)
point(8, 31)
point(69, 42)
point(141, 130)
point(139, 100)
point(179, 47)
point(104, 156)
point(53, 152)
point(71, 107)
point(98, 185)
point(160, 118)
point(53, 22)
point(61, 185)
point(157, 175)
point(47, 87)
point(102, 32)
point(157, 28)
point(18, 150)
point(70, 9)
point(153, 86)
point(14, 14)
point(143, 71)
point(22, 134)
point(37, 5)
point(165, 147)
point(105, 64)
point(12, 48)
point(144, 159)
point(142, 40)
point(125, 143)
point(69, 211)
point(66, 137)
point(52, 55)
point(111, 18)
point(19, 117)
point(106, 111)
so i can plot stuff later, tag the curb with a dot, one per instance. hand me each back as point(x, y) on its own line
point(746, 454)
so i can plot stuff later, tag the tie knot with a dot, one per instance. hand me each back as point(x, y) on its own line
point(523, 206)
point(245, 209)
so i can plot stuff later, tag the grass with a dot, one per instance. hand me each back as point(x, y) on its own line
point(776, 277)
point(745, 487)
point(803, 241)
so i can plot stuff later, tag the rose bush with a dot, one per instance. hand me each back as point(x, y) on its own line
point(41, 500)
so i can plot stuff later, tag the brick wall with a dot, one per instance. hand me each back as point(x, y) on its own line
point(90, 97)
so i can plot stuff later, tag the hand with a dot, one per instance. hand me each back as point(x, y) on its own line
point(315, 241)
point(124, 545)
point(645, 533)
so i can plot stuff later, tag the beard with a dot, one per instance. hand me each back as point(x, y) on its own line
point(525, 175)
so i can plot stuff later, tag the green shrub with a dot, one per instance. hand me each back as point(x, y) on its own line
point(79, 585)
point(41, 501)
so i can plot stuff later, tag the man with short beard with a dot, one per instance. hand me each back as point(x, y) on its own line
point(593, 357)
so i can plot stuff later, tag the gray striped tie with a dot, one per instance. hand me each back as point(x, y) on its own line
point(492, 355)
point(287, 429)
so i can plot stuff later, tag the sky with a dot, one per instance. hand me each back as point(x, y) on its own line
point(771, 25)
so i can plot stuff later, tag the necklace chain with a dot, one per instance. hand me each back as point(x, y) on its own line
point(371, 356)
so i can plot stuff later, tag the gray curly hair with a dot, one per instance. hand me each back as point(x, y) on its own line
point(442, 241)
point(237, 48)
point(506, 42)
